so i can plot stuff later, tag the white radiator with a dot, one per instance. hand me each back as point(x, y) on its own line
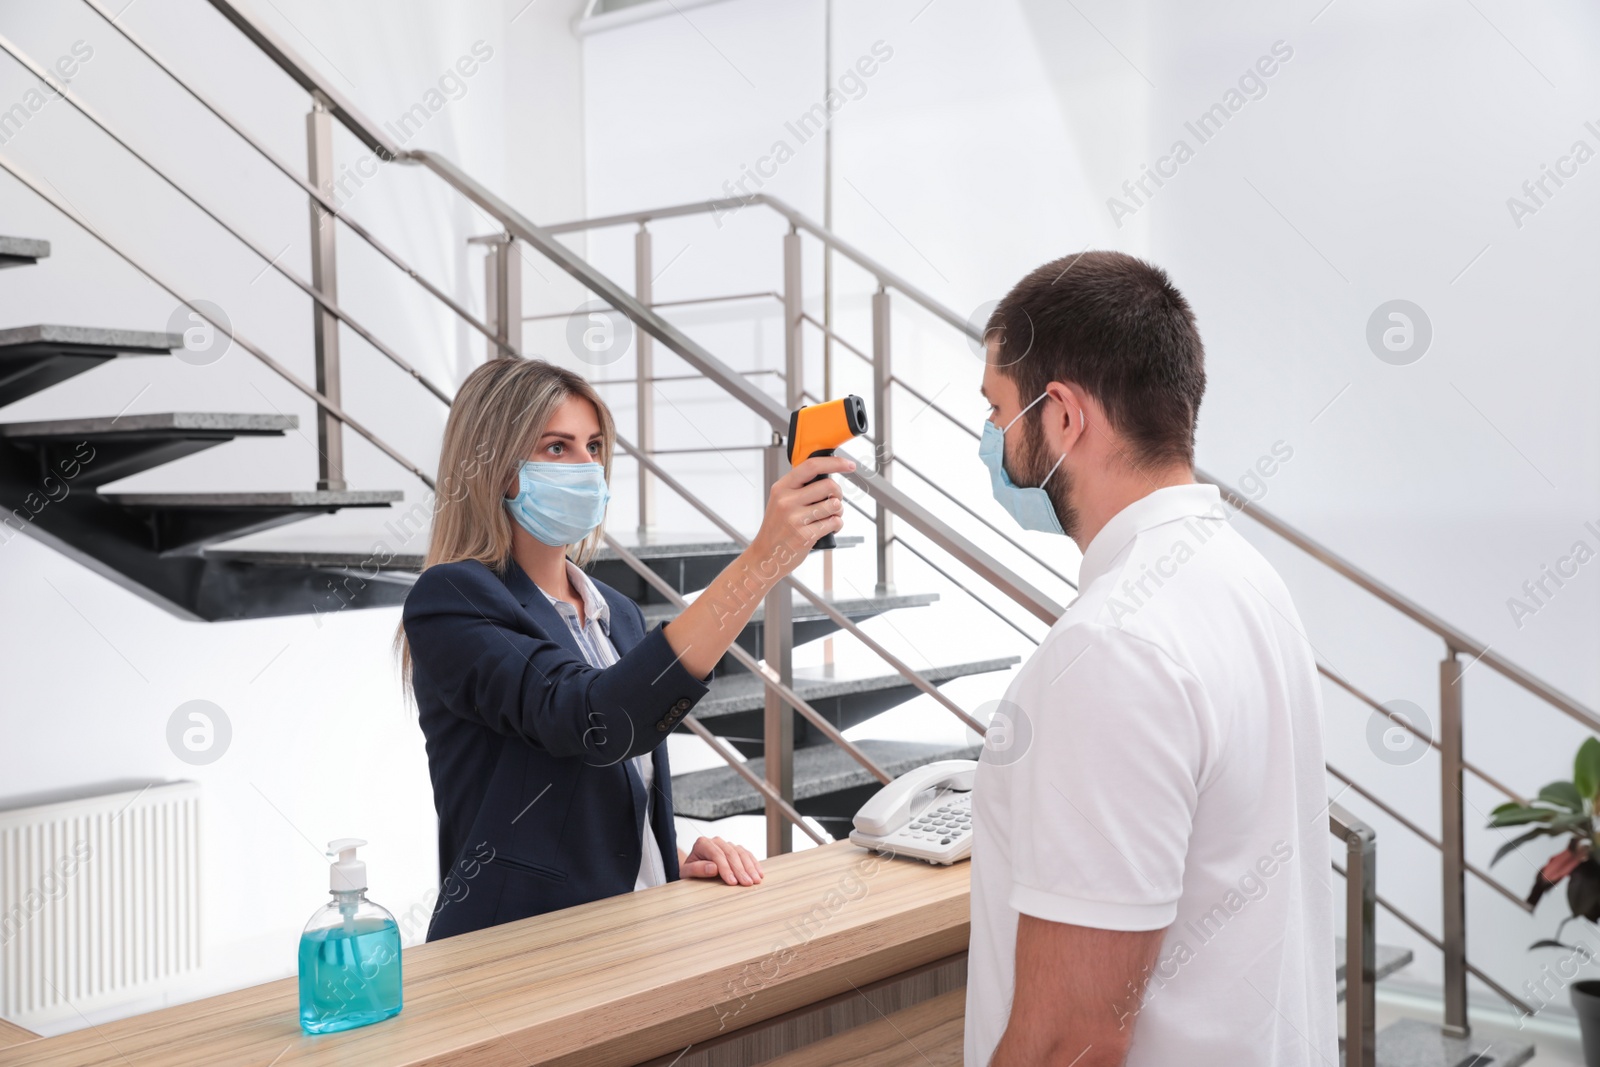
point(99, 900)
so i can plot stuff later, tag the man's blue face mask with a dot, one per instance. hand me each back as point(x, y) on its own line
point(1030, 506)
point(559, 503)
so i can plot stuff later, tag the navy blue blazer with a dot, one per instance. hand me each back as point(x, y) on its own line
point(527, 745)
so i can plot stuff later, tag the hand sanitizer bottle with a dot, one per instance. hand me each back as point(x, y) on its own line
point(349, 953)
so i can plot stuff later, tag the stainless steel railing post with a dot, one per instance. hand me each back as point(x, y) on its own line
point(883, 429)
point(502, 293)
point(777, 654)
point(1360, 936)
point(644, 377)
point(325, 280)
point(1453, 867)
point(793, 338)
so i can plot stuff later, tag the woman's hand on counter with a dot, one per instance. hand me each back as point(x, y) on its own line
point(713, 857)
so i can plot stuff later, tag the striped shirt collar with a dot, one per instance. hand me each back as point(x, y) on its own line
point(594, 605)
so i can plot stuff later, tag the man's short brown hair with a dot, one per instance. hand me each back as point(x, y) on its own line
point(1118, 328)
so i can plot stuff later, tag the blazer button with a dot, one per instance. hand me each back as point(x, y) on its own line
point(662, 726)
point(682, 705)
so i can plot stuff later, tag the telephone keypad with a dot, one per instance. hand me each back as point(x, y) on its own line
point(943, 823)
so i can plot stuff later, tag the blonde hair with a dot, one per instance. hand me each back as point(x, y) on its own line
point(496, 420)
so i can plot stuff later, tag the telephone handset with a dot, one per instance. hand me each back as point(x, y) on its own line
point(925, 813)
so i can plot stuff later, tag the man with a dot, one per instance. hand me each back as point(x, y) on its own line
point(1150, 871)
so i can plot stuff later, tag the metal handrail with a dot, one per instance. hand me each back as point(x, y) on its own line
point(827, 608)
point(544, 240)
point(1438, 846)
point(900, 461)
point(1455, 638)
point(806, 316)
point(732, 382)
point(886, 277)
point(327, 205)
point(678, 377)
point(1472, 968)
point(751, 664)
point(721, 748)
point(1400, 721)
point(723, 299)
point(897, 539)
point(271, 261)
point(308, 79)
point(283, 372)
point(958, 423)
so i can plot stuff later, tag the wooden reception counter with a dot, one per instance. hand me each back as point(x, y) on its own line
point(689, 973)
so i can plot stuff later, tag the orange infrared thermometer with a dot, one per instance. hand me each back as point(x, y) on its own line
point(818, 429)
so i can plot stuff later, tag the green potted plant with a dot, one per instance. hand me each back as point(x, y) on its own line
point(1566, 809)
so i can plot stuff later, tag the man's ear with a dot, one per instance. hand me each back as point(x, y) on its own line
point(1065, 417)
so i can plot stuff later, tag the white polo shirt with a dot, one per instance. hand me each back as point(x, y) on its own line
point(1160, 767)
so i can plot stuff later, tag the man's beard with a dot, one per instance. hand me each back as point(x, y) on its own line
point(1029, 467)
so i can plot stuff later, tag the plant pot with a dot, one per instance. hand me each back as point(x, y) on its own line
point(1586, 1003)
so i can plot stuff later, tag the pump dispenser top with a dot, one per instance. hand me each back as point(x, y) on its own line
point(348, 874)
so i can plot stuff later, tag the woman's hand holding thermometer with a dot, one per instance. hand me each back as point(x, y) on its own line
point(805, 508)
point(818, 429)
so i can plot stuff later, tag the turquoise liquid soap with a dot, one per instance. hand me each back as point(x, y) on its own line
point(349, 953)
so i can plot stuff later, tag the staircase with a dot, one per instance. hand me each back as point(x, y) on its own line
point(159, 545)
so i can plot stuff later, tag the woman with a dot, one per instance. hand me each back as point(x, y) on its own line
point(545, 703)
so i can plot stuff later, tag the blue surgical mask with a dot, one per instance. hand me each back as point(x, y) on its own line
point(1030, 506)
point(559, 503)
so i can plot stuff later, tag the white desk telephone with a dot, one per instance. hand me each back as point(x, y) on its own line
point(925, 813)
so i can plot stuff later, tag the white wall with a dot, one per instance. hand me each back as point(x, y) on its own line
point(1377, 165)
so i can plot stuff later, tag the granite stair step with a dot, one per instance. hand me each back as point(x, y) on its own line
point(1414, 1043)
point(184, 523)
point(734, 708)
point(22, 251)
point(113, 447)
point(33, 358)
point(677, 557)
point(688, 563)
point(1390, 958)
point(810, 622)
point(826, 778)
